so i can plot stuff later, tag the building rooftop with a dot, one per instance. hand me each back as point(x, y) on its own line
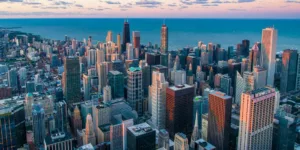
point(198, 98)
point(86, 147)
point(220, 95)
point(114, 72)
point(260, 92)
point(180, 87)
point(140, 129)
point(205, 144)
point(134, 69)
point(105, 127)
point(57, 136)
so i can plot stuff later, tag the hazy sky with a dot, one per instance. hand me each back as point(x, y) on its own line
point(150, 8)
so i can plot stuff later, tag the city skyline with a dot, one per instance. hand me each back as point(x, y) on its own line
point(150, 9)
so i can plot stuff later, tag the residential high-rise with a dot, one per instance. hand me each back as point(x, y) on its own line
point(116, 82)
point(71, 80)
point(284, 134)
point(268, 45)
point(240, 86)
point(219, 116)
point(157, 98)
point(136, 39)
point(38, 125)
point(135, 95)
point(289, 71)
point(256, 119)
point(91, 57)
point(140, 137)
point(180, 109)
point(89, 132)
point(102, 70)
point(126, 35)
point(100, 56)
point(181, 142)
point(12, 78)
point(163, 139)
point(164, 39)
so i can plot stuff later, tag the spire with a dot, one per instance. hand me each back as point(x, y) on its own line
point(196, 120)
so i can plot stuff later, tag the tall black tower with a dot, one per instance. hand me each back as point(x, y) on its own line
point(126, 35)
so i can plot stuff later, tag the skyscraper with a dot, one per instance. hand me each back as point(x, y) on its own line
point(225, 84)
point(240, 86)
point(86, 86)
point(140, 137)
point(72, 80)
point(245, 51)
point(136, 39)
point(289, 71)
point(76, 120)
point(197, 110)
point(89, 133)
point(196, 132)
point(157, 97)
point(181, 142)
point(163, 139)
point(119, 43)
point(135, 89)
point(260, 76)
point(254, 56)
point(180, 109)
point(164, 39)
point(109, 36)
point(219, 116)
point(126, 34)
point(100, 56)
point(12, 78)
point(102, 70)
point(256, 119)
point(61, 116)
point(116, 81)
point(38, 126)
point(269, 43)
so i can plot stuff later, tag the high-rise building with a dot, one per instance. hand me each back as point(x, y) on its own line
point(260, 76)
point(107, 94)
point(116, 82)
point(119, 43)
point(91, 57)
point(180, 109)
point(204, 127)
point(163, 139)
point(181, 142)
point(284, 134)
point(157, 98)
point(109, 36)
point(256, 119)
point(245, 46)
point(164, 37)
point(102, 70)
point(86, 86)
point(100, 56)
point(61, 116)
point(219, 116)
point(254, 56)
point(289, 71)
point(197, 110)
point(38, 126)
point(268, 45)
point(298, 73)
point(225, 84)
point(126, 35)
point(89, 132)
point(136, 39)
point(135, 95)
point(90, 43)
point(116, 136)
point(140, 137)
point(71, 80)
point(146, 70)
point(76, 120)
point(240, 86)
point(12, 124)
point(196, 133)
point(12, 78)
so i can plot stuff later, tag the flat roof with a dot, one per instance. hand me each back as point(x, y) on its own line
point(220, 95)
point(140, 129)
point(180, 87)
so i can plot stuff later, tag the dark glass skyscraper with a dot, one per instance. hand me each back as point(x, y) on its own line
point(71, 79)
point(140, 137)
point(289, 71)
point(164, 39)
point(116, 82)
point(126, 35)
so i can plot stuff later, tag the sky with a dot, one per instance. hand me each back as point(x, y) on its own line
point(150, 9)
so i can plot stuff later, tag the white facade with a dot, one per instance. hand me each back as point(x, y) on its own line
point(157, 97)
point(269, 42)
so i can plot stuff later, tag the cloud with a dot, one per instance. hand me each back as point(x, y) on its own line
point(292, 1)
point(112, 2)
point(79, 5)
point(172, 5)
point(31, 3)
point(128, 5)
point(54, 7)
point(191, 2)
point(245, 1)
point(64, 3)
point(210, 5)
point(236, 9)
point(148, 3)
point(15, 1)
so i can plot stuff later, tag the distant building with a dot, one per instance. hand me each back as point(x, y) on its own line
point(164, 39)
point(116, 82)
point(140, 137)
point(136, 39)
point(135, 89)
point(89, 132)
point(59, 140)
point(289, 71)
point(268, 45)
point(38, 126)
point(126, 34)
